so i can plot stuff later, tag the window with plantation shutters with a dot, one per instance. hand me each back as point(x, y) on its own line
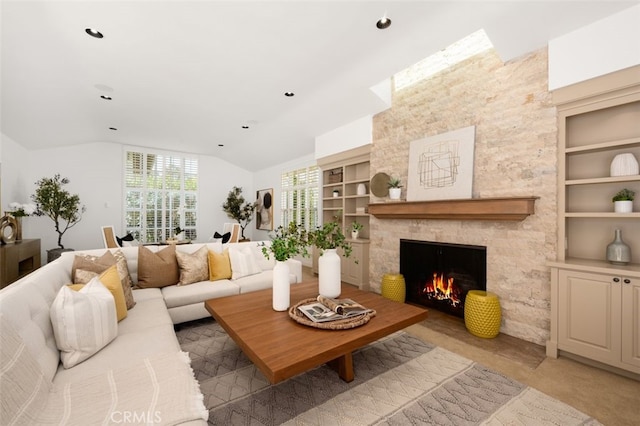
point(299, 201)
point(160, 195)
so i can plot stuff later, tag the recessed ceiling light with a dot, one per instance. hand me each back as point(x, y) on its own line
point(384, 22)
point(106, 98)
point(112, 128)
point(93, 32)
point(289, 94)
point(245, 127)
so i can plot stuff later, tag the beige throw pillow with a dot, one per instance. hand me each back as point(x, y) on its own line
point(156, 270)
point(194, 267)
point(243, 263)
point(111, 281)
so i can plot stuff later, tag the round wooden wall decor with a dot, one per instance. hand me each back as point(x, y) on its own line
point(379, 185)
point(8, 228)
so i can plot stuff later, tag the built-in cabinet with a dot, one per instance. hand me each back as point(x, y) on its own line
point(595, 304)
point(345, 199)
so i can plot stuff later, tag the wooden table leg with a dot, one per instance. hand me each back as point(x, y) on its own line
point(344, 367)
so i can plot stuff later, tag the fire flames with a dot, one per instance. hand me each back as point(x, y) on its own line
point(442, 288)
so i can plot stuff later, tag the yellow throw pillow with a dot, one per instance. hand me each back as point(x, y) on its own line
point(111, 280)
point(219, 266)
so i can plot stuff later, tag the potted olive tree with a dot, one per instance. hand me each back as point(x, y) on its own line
point(58, 204)
point(236, 208)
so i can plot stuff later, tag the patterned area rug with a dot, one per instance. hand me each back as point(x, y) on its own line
point(399, 380)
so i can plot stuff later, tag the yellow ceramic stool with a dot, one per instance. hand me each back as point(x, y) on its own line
point(482, 314)
point(393, 287)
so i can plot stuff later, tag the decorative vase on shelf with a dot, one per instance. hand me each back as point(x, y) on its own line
point(618, 252)
point(281, 286)
point(624, 165)
point(394, 193)
point(354, 234)
point(625, 206)
point(362, 189)
point(329, 274)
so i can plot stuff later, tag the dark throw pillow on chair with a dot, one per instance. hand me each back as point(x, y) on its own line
point(127, 237)
point(225, 238)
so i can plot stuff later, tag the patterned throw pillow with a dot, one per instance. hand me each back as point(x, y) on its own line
point(83, 321)
point(111, 281)
point(156, 270)
point(219, 266)
point(194, 267)
point(86, 266)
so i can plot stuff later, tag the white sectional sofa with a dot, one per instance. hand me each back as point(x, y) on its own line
point(140, 377)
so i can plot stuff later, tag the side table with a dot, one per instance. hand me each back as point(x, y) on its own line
point(18, 259)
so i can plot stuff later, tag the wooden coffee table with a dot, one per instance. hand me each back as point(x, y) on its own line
point(281, 348)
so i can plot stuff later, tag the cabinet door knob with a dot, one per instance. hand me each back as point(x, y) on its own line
point(616, 280)
point(627, 281)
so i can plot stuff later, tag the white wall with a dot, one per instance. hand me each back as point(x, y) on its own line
point(14, 184)
point(351, 135)
point(95, 174)
point(605, 46)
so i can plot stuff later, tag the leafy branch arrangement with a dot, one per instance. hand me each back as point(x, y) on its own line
point(330, 236)
point(287, 242)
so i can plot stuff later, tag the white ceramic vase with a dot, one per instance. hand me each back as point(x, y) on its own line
point(281, 286)
point(624, 165)
point(329, 274)
point(362, 189)
point(623, 206)
point(394, 193)
point(355, 234)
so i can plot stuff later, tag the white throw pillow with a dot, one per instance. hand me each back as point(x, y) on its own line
point(264, 263)
point(83, 321)
point(243, 263)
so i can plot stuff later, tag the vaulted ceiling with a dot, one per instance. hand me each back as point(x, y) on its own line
point(209, 77)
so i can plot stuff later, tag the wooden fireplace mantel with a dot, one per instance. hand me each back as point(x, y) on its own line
point(512, 208)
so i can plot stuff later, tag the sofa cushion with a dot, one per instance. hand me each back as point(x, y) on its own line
point(23, 387)
point(158, 269)
point(243, 262)
point(86, 266)
point(125, 277)
point(83, 322)
point(260, 281)
point(219, 265)
point(198, 292)
point(111, 281)
point(194, 267)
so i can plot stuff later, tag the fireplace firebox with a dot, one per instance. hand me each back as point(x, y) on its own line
point(439, 275)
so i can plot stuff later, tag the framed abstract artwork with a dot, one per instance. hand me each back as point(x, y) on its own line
point(441, 166)
point(264, 209)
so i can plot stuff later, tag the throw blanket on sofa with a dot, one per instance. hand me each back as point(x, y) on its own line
point(112, 397)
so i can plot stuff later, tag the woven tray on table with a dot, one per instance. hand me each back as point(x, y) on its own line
point(343, 324)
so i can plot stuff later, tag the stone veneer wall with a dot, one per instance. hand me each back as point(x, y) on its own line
point(515, 155)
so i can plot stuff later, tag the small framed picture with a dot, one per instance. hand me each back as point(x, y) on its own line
point(264, 209)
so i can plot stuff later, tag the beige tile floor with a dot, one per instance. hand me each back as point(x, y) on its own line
point(610, 398)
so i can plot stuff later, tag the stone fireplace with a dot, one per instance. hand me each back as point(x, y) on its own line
point(515, 156)
point(439, 275)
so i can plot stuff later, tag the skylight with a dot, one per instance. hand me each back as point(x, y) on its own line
point(469, 46)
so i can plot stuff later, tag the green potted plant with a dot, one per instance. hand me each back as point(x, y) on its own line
point(236, 208)
point(395, 188)
point(356, 227)
point(623, 201)
point(286, 242)
point(55, 202)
